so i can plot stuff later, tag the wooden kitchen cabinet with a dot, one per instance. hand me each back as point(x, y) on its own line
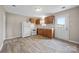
point(35, 20)
point(38, 21)
point(45, 32)
point(49, 19)
point(40, 31)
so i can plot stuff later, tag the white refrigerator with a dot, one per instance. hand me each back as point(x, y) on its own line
point(26, 29)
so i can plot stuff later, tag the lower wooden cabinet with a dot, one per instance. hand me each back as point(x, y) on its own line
point(45, 32)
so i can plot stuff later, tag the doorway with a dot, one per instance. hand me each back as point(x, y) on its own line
point(62, 27)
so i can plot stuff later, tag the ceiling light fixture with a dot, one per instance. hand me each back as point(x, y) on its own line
point(14, 5)
point(38, 9)
point(63, 7)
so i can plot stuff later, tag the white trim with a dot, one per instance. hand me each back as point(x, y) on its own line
point(73, 41)
point(68, 40)
point(12, 37)
point(1, 46)
point(66, 29)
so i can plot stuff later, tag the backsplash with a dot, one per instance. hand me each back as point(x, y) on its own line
point(46, 26)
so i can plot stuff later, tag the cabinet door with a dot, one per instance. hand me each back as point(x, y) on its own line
point(49, 20)
point(40, 32)
point(35, 21)
point(48, 33)
point(38, 21)
point(45, 32)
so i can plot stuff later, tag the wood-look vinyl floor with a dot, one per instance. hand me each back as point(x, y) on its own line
point(38, 44)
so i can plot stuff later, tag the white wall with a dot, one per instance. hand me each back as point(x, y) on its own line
point(14, 25)
point(2, 26)
point(73, 23)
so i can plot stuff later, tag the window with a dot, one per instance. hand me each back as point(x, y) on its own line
point(61, 21)
point(42, 22)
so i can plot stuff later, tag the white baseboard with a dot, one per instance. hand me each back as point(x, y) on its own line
point(69, 40)
point(73, 41)
point(1, 46)
point(12, 37)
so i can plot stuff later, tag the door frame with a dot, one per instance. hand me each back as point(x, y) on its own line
point(3, 24)
point(67, 26)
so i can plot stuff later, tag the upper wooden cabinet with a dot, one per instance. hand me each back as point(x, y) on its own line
point(38, 21)
point(49, 19)
point(35, 20)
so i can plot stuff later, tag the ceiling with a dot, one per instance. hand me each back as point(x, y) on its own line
point(29, 10)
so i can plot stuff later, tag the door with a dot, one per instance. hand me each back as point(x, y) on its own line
point(2, 28)
point(62, 27)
